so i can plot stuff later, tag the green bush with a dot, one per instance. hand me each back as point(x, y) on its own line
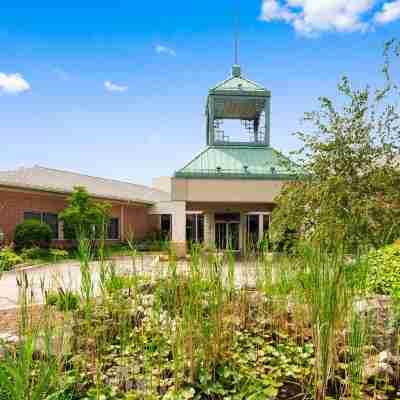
point(34, 253)
point(59, 254)
point(65, 300)
point(32, 233)
point(384, 270)
point(8, 258)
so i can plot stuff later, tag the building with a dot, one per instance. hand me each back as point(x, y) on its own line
point(42, 193)
point(223, 197)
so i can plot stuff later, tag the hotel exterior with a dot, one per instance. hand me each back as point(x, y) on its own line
point(223, 197)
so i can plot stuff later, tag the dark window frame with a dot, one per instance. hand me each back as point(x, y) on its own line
point(166, 230)
point(43, 217)
point(113, 229)
point(194, 227)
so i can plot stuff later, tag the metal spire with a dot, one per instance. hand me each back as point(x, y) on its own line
point(237, 37)
point(236, 67)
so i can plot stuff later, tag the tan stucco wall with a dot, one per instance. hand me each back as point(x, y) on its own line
point(178, 211)
point(226, 190)
point(162, 183)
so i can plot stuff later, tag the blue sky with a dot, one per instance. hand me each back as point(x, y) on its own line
point(117, 89)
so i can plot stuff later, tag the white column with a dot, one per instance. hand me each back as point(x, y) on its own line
point(242, 232)
point(207, 234)
point(212, 230)
point(60, 230)
point(122, 223)
point(260, 227)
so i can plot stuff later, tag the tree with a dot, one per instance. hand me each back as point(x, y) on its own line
point(83, 216)
point(349, 186)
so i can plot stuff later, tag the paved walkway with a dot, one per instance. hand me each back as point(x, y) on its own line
point(67, 275)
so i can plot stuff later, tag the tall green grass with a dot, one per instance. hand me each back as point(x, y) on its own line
point(185, 322)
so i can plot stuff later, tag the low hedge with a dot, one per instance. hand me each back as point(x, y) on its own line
point(32, 233)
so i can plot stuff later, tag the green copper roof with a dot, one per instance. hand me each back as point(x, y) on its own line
point(237, 85)
point(241, 162)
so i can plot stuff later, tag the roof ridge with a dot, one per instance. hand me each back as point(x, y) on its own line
point(94, 177)
point(254, 83)
point(221, 83)
point(198, 155)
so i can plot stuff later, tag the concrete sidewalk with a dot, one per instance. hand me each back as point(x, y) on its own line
point(66, 274)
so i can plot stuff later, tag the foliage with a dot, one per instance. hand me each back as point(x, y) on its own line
point(8, 258)
point(59, 254)
point(64, 299)
point(384, 270)
point(328, 287)
point(198, 335)
point(32, 233)
point(349, 186)
point(34, 253)
point(29, 371)
point(85, 217)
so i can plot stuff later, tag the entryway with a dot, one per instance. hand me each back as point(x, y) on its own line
point(227, 231)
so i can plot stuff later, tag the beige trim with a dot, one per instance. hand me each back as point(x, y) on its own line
point(226, 190)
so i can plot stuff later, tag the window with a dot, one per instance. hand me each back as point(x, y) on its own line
point(33, 215)
point(166, 226)
point(195, 228)
point(113, 229)
point(253, 229)
point(51, 220)
point(45, 218)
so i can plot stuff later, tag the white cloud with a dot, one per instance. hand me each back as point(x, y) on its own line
point(390, 12)
point(112, 87)
point(13, 83)
point(164, 49)
point(310, 17)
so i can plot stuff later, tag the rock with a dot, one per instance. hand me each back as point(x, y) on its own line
point(384, 356)
point(8, 338)
point(380, 367)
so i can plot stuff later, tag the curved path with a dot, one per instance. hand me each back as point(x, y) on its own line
point(65, 274)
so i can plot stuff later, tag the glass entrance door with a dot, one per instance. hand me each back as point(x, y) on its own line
point(227, 235)
point(220, 235)
point(233, 236)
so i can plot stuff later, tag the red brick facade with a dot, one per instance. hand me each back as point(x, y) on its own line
point(14, 203)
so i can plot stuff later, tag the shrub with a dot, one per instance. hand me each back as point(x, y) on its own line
point(59, 254)
point(34, 253)
point(32, 233)
point(8, 258)
point(65, 300)
point(384, 270)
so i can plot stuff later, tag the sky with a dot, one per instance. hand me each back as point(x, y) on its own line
point(117, 88)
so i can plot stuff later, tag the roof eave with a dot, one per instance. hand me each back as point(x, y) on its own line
point(36, 188)
point(254, 93)
point(238, 175)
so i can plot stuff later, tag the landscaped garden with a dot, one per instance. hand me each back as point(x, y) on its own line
point(298, 326)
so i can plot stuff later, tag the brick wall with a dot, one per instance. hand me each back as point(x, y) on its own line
point(13, 204)
point(136, 221)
